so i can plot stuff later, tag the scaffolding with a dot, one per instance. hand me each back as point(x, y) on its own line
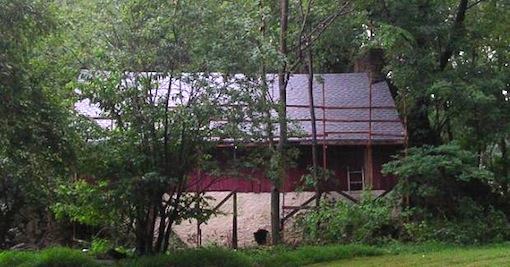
point(399, 138)
point(367, 171)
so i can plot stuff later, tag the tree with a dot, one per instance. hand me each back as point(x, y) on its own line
point(164, 123)
point(35, 136)
point(440, 178)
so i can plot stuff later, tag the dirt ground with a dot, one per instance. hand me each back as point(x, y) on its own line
point(253, 214)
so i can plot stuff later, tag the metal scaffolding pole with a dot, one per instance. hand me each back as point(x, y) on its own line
point(368, 157)
point(324, 146)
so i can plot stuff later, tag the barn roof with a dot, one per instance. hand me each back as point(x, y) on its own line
point(344, 113)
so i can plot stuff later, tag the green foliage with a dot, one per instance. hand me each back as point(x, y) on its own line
point(305, 255)
point(323, 175)
point(437, 178)
point(447, 256)
point(62, 257)
point(267, 257)
point(210, 256)
point(260, 257)
point(51, 257)
point(474, 225)
point(43, 44)
point(16, 258)
point(84, 203)
point(36, 148)
point(99, 246)
point(442, 162)
point(369, 221)
point(450, 197)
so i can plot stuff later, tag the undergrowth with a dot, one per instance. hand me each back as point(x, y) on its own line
point(278, 256)
point(50, 257)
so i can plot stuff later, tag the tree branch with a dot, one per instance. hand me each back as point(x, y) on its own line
point(457, 26)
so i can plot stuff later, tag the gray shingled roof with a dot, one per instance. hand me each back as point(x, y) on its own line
point(342, 99)
point(346, 100)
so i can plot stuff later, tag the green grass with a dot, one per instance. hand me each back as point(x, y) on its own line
point(393, 254)
point(467, 256)
point(266, 257)
point(211, 257)
point(16, 258)
point(285, 257)
point(51, 257)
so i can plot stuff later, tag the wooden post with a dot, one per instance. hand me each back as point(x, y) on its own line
point(234, 221)
point(369, 168)
point(324, 146)
point(199, 234)
point(199, 231)
point(406, 145)
point(275, 215)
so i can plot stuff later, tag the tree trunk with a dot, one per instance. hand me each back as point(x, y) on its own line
point(161, 228)
point(314, 128)
point(455, 34)
point(140, 247)
point(504, 165)
point(8, 215)
point(282, 84)
point(5, 223)
point(420, 130)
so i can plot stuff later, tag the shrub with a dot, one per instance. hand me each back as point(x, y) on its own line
point(367, 222)
point(438, 178)
point(99, 246)
point(474, 225)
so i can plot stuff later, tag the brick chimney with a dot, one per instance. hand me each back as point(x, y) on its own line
point(371, 62)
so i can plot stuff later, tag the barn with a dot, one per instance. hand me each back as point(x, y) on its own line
point(358, 129)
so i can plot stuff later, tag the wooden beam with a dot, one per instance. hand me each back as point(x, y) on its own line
point(369, 167)
point(339, 107)
point(349, 197)
point(234, 221)
point(383, 194)
point(295, 207)
point(292, 213)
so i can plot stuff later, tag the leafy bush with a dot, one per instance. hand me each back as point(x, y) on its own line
point(51, 257)
point(367, 222)
point(438, 178)
point(474, 225)
point(99, 246)
point(85, 202)
point(450, 197)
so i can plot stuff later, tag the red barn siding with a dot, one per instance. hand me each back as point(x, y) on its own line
point(338, 159)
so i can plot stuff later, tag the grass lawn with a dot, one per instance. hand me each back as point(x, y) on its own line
point(485, 256)
point(393, 254)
